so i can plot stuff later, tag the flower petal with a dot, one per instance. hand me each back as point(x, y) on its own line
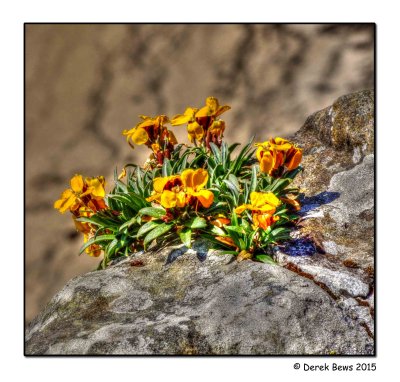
point(96, 187)
point(217, 127)
point(261, 199)
point(172, 139)
point(180, 119)
point(222, 109)
point(204, 112)
point(213, 104)
point(181, 199)
point(205, 197)
point(195, 131)
point(156, 196)
point(295, 160)
point(77, 183)
point(139, 135)
point(159, 184)
point(195, 179)
point(200, 178)
point(66, 201)
point(242, 208)
point(267, 162)
point(168, 199)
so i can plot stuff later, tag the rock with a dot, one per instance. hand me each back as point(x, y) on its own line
point(189, 306)
point(319, 300)
point(338, 206)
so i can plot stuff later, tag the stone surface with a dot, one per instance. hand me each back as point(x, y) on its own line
point(338, 209)
point(86, 83)
point(192, 306)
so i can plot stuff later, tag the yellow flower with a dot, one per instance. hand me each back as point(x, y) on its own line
point(263, 206)
point(186, 117)
point(147, 131)
point(276, 153)
point(194, 181)
point(260, 202)
point(195, 131)
point(212, 109)
point(202, 124)
point(83, 192)
point(181, 190)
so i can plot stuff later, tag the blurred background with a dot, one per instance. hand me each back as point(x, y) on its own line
point(87, 83)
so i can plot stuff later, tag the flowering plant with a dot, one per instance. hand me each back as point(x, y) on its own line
point(243, 203)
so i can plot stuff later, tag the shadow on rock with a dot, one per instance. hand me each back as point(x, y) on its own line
point(311, 203)
point(300, 247)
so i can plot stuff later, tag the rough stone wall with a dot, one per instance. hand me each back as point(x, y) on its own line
point(86, 83)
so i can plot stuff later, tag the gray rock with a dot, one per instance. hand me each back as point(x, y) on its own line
point(338, 206)
point(215, 306)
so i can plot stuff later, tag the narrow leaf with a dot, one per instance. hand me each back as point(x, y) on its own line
point(154, 212)
point(157, 232)
point(186, 236)
point(147, 227)
point(196, 223)
point(95, 240)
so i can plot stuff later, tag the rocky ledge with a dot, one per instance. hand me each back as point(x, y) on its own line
point(318, 300)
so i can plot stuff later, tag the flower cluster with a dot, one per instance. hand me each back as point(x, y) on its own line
point(178, 191)
point(84, 199)
point(203, 125)
point(245, 204)
point(278, 154)
point(152, 133)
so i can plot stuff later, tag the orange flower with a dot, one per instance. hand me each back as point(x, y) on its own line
point(276, 154)
point(152, 133)
point(181, 190)
point(203, 125)
point(83, 199)
point(83, 192)
point(147, 131)
point(263, 206)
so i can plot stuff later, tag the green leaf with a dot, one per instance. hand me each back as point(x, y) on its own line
point(186, 236)
point(217, 231)
point(278, 231)
point(234, 219)
point(147, 227)
point(157, 232)
point(154, 212)
point(166, 167)
point(265, 259)
point(235, 190)
point(126, 200)
point(253, 182)
point(128, 224)
point(95, 240)
point(216, 152)
point(234, 180)
point(237, 229)
point(196, 223)
point(233, 147)
point(112, 247)
point(120, 185)
point(280, 184)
